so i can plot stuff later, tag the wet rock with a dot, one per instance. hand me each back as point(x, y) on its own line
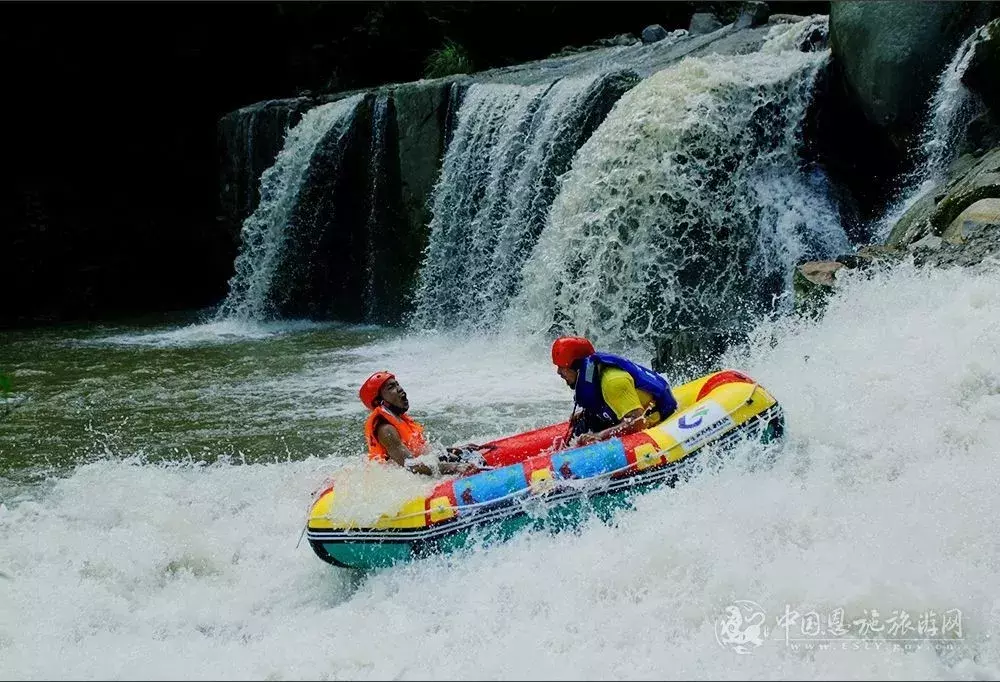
point(812, 282)
point(970, 180)
point(915, 223)
point(978, 215)
point(420, 117)
point(983, 132)
point(929, 242)
point(703, 22)
point(249, 140)
point(622, 39)
point(979, 250)
point(785, 19)
point(653, 33)
point(871, 254)
point(753, 14)
point(981, 74)
point(890, 54)
point(820, 272)
point(694, 350)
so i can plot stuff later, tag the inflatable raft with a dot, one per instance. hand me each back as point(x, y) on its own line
point(525, 483)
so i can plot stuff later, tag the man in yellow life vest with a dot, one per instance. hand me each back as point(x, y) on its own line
point(618, 396)
point(392, 435)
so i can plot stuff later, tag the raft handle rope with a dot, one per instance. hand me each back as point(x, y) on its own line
point(565, 482)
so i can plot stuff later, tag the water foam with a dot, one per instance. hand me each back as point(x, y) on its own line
point(686, 206)
point(881, 498)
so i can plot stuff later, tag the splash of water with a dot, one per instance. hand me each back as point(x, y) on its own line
point(687, 205)
point(880, 499)
point(263, 235)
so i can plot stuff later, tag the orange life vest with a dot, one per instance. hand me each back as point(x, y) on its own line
point(410, 432)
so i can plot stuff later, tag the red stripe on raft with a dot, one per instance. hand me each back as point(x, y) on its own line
point(727, 376)
point(517, 448)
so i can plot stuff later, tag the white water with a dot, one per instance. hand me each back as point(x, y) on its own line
point(376, 196)
point(496, 183)
point(685, 202)
point(883, 497)
point(214, 332)
point(263, 234)
point(951, 110)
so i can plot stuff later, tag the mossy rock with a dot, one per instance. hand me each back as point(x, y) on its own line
point(936, 210)
point(812, 283)
point(972, 219)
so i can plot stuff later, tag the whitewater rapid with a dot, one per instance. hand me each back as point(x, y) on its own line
point(882, 498)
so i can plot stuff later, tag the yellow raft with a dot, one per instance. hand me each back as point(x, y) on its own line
point(522, 475)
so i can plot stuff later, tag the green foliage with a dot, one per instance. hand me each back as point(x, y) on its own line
point(449, 59)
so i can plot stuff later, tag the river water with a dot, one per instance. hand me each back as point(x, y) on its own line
point(156, 475)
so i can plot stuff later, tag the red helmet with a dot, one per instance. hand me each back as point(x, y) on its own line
point(373, 384)
point(566, 350)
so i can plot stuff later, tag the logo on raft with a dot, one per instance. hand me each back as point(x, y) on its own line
point(699, 413)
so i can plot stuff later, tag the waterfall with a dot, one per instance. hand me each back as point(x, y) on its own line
point(508, 146)
point(264, 233)
point(688, 207)
point(252, 137)
point(377, 201)
point(951, 110)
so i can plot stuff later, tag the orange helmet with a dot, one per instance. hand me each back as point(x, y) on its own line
point(373, 384)
point(566, 350)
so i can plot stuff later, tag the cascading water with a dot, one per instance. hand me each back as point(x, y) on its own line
point(948, 117)
point(498, 179)
point(251, 138)
point(688, 204)
point(264, 233)
point(377, 201)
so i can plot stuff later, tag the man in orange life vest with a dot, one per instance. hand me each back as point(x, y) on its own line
point(392, 435)
point(618, 396)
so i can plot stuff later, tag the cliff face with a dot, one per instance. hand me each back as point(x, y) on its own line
point(891, 53)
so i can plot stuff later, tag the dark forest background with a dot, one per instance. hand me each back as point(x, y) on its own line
point(111, 192)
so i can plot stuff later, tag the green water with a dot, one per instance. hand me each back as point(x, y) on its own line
point(76, 395)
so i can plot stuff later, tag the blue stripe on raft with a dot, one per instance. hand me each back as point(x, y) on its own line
point(590, 460)
point(490, 485)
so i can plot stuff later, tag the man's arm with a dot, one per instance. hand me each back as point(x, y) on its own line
point(632, 422)
point(618, 389)
point(388, 436)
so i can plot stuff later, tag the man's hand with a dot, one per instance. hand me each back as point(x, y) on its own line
point(634, 421)
point(459, 449)
point(459, 468)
